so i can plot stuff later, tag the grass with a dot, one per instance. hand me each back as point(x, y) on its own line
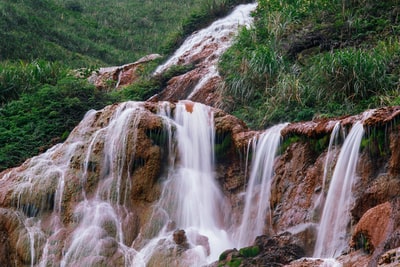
point(306, 59)
point(97, 33)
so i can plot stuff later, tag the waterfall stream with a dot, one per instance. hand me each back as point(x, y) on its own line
point(328, 166)
point(332, 234)
point(259, 188)
point(136, 184)
point(191, 199)
point(209, 44)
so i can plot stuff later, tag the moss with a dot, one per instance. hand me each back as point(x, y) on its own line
point(319, 145)
point(158, 136)
point(376, 142)
point(362, 242)
point(222, 144)
point(234, 263)
point(288, 141)
point(249, 251)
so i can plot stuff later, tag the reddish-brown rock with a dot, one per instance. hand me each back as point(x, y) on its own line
point(119, 76)
point(372, 228)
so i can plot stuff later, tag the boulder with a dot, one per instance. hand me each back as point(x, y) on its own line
point(119, 76)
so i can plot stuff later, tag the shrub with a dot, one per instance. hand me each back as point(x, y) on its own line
point(39, 119)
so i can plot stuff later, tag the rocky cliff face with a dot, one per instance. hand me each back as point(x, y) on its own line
point(110, 172)
point(44, 193)
point(297, 186)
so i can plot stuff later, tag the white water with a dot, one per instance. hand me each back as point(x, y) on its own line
point(259, 189)
point(328, 166)
point(332, 234)
point(191, 199)
point(216, 38)
point(99, 216)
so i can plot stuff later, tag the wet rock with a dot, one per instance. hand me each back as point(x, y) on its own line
point(266, 251)
point(201, 240)
point(382, 189)
point(180, 87)
point(394, 163)
point(390, 258)
point(311, 129)
point(306, 262)
point(383, 116)
point(367, 235)
point(297, 175)
point(355, 259)
point(179, 237)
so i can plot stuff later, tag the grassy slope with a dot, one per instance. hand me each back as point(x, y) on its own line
point(83, 33)
point(305, 59)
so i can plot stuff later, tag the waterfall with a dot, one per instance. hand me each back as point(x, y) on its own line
point(191, 199)
point(332, 234)
point(209, 44)
point(259, 189)
point(99, 213)
point(328, 165)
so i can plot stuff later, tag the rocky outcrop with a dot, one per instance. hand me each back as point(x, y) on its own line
point(202, 50)
point(85, 162)
point(119, 76)
point(366, 235)
point(266, 251)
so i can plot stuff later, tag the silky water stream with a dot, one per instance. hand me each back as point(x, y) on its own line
point(191, 202)
point(333, 233)
point(256, 207)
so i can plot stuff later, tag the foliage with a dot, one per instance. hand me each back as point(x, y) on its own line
point(82, 33)
point(21, 77)
point(39, 119)
point(305, 59)
point(249, 251)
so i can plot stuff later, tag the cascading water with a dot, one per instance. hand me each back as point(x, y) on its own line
point(98, 215)
point(191, 199)
point(332, 234)
point(209, 44)
point(259, 188)
point(328, 166)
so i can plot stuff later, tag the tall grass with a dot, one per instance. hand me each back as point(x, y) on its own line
point(262, 79)
point(22, 77)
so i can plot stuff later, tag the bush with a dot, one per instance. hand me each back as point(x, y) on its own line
point(38, 120)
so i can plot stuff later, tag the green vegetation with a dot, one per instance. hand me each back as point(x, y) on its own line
point(44, 117)
point(249, 252)
point(21, 77)
point(85, 33)
point(363, 242)
point(305, 59)
point(376, 141)
point(42, 99)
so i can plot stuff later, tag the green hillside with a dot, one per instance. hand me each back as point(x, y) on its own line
point(313, 59)
point(82, 33)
